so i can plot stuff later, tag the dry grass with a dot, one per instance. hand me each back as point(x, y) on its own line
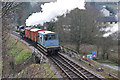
point(36, 71)
point(113, 58)
point(88, 49)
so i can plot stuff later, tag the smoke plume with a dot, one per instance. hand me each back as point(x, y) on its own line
point(52, 10)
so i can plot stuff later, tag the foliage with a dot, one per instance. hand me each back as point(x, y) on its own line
point(106, 62)
point(37, 71)
point(50, 26)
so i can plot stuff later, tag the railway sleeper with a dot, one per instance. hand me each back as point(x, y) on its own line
point(85, 73)
point(62, 69)
point(67, 70)
point(91, 77)
point(74, 76)
point(74, 68)
point(70, 69)
point(79, 68)
point(88, 75)
point(70, 73)
point(82, 70)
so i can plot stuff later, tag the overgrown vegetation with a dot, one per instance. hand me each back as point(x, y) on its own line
point(83, 27)
point(36, 71)
point(19, 51)
point(107, 62)
point(46, 66)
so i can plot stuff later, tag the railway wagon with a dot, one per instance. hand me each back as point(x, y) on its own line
point(49, 41)
point(22, 31)
point(34, 34)
point(27, 32)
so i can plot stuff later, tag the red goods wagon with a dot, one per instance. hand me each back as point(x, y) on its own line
point(27, 32)
point(34, 34)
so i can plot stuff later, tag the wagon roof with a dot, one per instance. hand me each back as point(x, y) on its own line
point(35, 29)
point(28, 28)
point(45, 32)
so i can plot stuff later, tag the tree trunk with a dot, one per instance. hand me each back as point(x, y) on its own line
point(97, 51)
point(77, 47)
point(107, 56)
point(103, 54)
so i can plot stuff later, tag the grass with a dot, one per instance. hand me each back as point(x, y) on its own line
point(12, 28)
point(18, 51)
point(43, 71)
point(106, 69)
point(50, 73)
point(106, 62)
point(112, 59)
point(86, 49)
point(22, 56)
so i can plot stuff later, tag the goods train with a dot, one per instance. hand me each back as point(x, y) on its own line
point(47, 40)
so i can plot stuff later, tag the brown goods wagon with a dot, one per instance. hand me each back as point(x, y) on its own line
point(34, 34)
point(27, 32)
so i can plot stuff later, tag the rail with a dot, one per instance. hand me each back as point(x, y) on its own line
point(93, 64)
point(71, 69)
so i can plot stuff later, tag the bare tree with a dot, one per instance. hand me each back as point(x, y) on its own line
point(82, 26)
point(8, 15)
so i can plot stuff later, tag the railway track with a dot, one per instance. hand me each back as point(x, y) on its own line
point(93, 64)
point(71, 69)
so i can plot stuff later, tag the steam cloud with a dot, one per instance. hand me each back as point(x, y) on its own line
point(53, 9)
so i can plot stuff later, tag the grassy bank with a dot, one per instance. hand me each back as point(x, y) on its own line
point(46, 66)
point(37, 71)
point(20, 53)
point(86, 49)
point(107, 62)
point(18, 50)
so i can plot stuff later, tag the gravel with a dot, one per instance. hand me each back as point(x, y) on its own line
point(82, 66)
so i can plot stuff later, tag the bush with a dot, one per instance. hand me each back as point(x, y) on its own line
point(17, 30)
